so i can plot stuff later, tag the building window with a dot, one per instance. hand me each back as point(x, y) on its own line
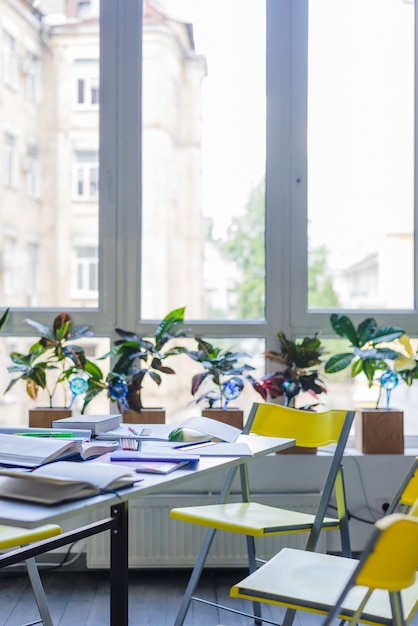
point(86, 176)
point(9, 61)
point(31, 168)
point(87, 82)
point(84, 9)
point(31, 68)
point(10, 256)
point(9, 160)
point(32, 273)
point(85, 268)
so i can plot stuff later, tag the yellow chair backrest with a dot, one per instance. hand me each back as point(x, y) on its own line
point(410, 493)
point(392, 563)
point(308, 428)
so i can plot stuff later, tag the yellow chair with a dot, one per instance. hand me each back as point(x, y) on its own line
point(257, 520)
point(380, 588)
point(13, 537)
point(407, 495)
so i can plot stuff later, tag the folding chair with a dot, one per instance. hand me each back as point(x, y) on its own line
point(13, 537)
point(256, 520)
point(380, 588)
point(407, 495)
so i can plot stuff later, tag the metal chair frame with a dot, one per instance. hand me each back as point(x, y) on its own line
point(334, 482)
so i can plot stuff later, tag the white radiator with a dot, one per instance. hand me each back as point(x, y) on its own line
point(157, 541)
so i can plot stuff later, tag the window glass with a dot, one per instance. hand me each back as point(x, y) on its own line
point(9, 64)
point(49, 147)
point(203, 200)
point(360, 154)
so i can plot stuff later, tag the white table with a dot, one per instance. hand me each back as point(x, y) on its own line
point(15, 513)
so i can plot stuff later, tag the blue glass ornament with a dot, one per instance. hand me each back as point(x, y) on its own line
point(118, 390)
point(389, 380)
point(231, 389)
point(291, 388)
point(78, 385)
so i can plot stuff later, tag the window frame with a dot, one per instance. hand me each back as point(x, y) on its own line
point(286, 189)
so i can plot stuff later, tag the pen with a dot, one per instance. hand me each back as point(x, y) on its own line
point(191, 444)
point(134, 431)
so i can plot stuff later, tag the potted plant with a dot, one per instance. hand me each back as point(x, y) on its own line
point(377, 430)
point(299, 360)
point(53, 363)
point(137, 358)
point(221, 381)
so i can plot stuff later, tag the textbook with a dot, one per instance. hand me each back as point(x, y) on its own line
point(23, 451)
point(64, 480)
point(192, 429)
point(94, 423)
point(160, 462)
point(164, 455)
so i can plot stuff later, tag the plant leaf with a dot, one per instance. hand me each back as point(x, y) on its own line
point(338, 362)
point(343, 326)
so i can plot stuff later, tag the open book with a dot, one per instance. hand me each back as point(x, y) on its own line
point(64, 480)
point(22, 451)
point(193, 429)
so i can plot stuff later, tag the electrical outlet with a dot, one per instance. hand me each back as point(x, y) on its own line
point(382, 505)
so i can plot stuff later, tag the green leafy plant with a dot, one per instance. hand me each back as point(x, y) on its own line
point(368, 353)
point(139, 357)
point(53, 360)
point(299, 359)
point(4, 318)
point(223, 370)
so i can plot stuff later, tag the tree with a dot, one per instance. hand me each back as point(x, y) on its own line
point(245, 246)
point(321, 292)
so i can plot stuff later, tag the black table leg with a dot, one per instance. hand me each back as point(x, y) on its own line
point(119, 566)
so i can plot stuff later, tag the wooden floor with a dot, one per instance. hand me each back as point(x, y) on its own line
point(82, 599)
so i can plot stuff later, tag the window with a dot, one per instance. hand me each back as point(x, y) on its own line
point(9, 60)
point(32, 171)
point(32, 273)
point(361, 154)
point(211, 168)
point(87, 82)
point(10, 260)
point(86, 175)
point(85, 272)
point(9, 160)
point(32, 70)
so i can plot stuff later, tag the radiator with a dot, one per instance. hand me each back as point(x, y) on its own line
point(157, 541)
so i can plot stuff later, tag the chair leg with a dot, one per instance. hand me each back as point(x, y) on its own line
point(397, 609)
point(38, 591)
point(195, 577)
point(252, 566)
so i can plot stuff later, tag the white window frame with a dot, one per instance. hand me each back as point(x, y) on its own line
point(86, 73)
point(286, 187)
point(9, 158)
point(32, 170)
point(10, 267)
point(31, 68)
point(86, 174)
point(9, 60)
point(81, 267)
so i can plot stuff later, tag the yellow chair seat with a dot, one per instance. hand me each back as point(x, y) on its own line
point(250, 518)
point(11, 537)
point(381, 588)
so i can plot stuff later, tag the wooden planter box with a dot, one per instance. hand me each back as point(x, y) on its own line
point(146, 416)
point(379, 431)
point(42, 417)
point(233, 416)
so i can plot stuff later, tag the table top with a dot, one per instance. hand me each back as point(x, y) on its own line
point(30, 515)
